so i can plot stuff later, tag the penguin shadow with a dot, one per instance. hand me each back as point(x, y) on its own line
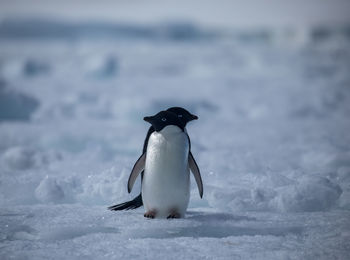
point(205, 217)
point(12, 227)
point(25, 232)
point(12, 215)
point(17, 232)
point(68, 233)
point(217, 225)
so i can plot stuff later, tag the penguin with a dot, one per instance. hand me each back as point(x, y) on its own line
point(184, 116)
point(167, 164)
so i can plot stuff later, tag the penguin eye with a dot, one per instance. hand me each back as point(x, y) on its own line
point(163, 119)
point(179, 115)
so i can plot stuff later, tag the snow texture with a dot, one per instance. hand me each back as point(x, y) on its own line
point(272, 140)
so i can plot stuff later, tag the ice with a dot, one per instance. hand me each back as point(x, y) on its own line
point(271, 140)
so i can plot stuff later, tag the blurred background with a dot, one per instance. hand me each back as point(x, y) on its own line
point(269, 81)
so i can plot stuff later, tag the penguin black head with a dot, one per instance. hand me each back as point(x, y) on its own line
point(183, 114)
point(163, 119)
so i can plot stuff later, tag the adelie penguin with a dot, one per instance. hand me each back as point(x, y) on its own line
point(166, 163)
point(184, 116)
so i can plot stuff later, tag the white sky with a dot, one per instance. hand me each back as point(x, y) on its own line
point(230, 13)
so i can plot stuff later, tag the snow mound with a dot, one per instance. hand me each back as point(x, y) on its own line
point(19, 158)
point(310, 194)
point(49, 191)
point(34, 67)
point(15, 105)
point(107, 186)
point(101, 66)
point(26, 157)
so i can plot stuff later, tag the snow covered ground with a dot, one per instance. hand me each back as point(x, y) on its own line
point(272, 140)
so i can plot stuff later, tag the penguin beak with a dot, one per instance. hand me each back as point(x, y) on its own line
point(194, 117)
point(148, 119)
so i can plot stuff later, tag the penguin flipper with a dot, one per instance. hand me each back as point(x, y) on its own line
point(132, 204)
point(196, 173)
point(138, 167)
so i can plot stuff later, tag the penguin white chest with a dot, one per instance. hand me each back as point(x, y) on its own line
point(166, 181)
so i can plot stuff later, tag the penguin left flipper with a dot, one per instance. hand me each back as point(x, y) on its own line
point(196, 173)
point(138, 167)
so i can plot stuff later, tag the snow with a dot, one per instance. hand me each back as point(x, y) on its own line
point(271, 141)
point(49, 191)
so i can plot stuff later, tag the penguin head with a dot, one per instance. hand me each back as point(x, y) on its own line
point(163, 119)
point(183, 114)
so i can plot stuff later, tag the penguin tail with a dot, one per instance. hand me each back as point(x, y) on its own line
point(132, 204)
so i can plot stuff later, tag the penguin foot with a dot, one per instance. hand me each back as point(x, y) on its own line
point(150, 214)
point(174, 215)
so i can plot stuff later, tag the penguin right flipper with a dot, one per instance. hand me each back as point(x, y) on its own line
point(132, 204)
point(196, 173)
point(138, 167)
